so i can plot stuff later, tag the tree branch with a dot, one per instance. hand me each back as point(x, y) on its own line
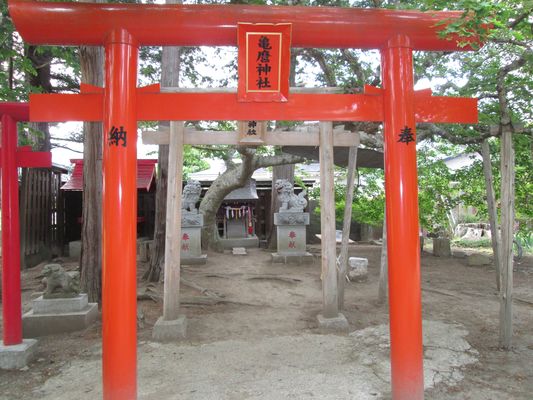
point(280, 159)
point(55, 145)
point(329, 75)
point(519, 19)
point(428, 131)
point(354, 64)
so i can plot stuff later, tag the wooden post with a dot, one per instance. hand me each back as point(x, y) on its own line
point(491, 204)
point(383, 286)
point(327, 217)
point(343, 256)
point(171, 300)
point(506, 266)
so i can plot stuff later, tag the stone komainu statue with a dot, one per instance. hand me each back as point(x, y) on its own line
point(190, 196)
point(289, 201)
point(60, 283)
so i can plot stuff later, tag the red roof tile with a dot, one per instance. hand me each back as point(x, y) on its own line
point(145, 175)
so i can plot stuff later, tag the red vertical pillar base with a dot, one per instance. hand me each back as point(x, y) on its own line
point(402, 222)
point(119, 281)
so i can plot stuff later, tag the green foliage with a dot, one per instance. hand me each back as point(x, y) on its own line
point(480, 243)
point(193, 161)
point(369, 198)
point(525, 239)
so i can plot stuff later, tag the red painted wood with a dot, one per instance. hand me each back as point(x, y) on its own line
point(11, 295)
point(145, 175)
point(216, 25)
point(224, 106)
point(119, 278)
point(34, 159)
point(401, 191)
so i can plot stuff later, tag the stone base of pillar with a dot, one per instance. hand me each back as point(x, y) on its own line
point(19, 355)
point(168, 331)
point(338, 323)
point(293, 258)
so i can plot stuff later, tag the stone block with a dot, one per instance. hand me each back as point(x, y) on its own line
point(74, 249)
point(338, 323)
point(459, 254)
point(357, 269)
point(167, 331)
point(303, 258)
point(291, 239)
point(191, 242)
point(478, 259)
point(441, 247)
point(60, 306)
point(291, 218)
point(194, 260)
point(191, 220)
point(17, 356)
point(248, 242)
point(35, 325)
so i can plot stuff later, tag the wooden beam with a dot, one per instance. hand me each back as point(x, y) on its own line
point(271, 138)
point(327, 222)
point(343, 256)
point(202, 106)
point(171, 299)
point(305, 90)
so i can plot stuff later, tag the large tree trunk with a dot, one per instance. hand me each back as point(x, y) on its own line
point(170, 70)
point(233, 178)
point(92, 72)
point(278, 172)
point(40, 136)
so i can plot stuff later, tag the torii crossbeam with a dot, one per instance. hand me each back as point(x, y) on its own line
point(12, 158)
point(122, 28)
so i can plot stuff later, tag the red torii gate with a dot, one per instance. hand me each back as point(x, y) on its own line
point(12, 158)
point(122, 28)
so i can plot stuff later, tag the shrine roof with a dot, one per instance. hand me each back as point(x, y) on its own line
point(145, 175)
point(247, 192)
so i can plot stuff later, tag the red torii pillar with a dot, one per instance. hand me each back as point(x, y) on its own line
point(12, 158)
point(401, 190)
point(123, 27)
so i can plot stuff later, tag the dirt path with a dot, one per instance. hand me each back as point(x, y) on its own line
point(262, 342)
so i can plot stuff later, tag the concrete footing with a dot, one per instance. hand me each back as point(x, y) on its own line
point(338, 323)
point(51, 316)
point(167, 331)
point(17, 356)
point(278, 258)
point(194, 260)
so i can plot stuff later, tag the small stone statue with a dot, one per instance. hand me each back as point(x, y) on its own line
point(289, 201)
point(60, 283)
point(190, 196)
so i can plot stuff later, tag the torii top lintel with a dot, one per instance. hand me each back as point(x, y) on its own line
point(52, 23)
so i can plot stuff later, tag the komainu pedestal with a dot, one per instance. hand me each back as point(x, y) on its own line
point(191, 239)
point(191, 225)
point(291, 224)
point(61, 308)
